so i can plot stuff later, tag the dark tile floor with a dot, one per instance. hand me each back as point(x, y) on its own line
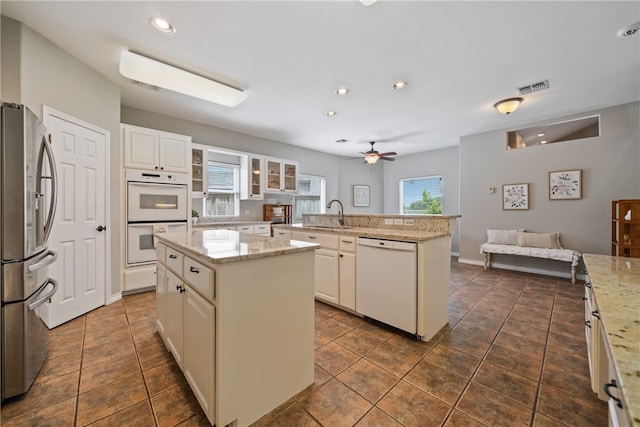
point(513, 354)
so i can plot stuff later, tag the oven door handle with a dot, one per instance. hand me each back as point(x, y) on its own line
point(37, 303)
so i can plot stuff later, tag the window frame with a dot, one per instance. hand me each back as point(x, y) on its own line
point(323, 196)
point(212, 191)
point(401, 192)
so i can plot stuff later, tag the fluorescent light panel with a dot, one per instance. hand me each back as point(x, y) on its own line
point(150, 71)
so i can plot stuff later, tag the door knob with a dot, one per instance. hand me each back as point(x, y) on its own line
point(101, 228)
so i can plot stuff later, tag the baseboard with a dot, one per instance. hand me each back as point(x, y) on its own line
point(523, 269)
point(115, 297)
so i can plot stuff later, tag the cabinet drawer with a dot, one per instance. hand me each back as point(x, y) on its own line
point(174, 260)
point(245, 228)
point(282, 234)
point(161, 250)
point(347, 244)
point(263, 229)
point(200, 277)
point(326, 241)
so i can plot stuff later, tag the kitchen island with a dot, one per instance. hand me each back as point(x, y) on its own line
point(236, 310)
point(616, 286)
point(338, 277)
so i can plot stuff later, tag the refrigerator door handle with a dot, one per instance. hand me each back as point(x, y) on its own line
point(54, 185)
point(37, 303)
point(48, 260)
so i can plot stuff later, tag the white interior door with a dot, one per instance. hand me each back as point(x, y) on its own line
point(81, 159)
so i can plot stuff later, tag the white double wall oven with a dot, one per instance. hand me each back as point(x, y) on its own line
point(157, 202)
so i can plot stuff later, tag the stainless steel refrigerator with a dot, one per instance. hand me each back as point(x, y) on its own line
point(27, 207)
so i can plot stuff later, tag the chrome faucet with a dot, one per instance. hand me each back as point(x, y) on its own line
point(340, 212)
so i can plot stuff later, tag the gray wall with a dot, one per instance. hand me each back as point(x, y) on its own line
point(443, 162)
point(610, 171)
point(355, 172)
point(39, 73)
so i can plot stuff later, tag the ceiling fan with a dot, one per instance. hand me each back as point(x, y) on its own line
point(372, 156)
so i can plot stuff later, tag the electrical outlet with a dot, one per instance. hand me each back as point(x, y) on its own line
point(408, 222)
point(388, 221)
point(397, 221)
point(312, 219)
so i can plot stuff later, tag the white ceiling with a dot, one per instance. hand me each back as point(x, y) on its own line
point(290, 56)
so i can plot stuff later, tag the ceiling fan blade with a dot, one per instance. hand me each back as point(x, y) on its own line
point(391, 159)
point(390, 153)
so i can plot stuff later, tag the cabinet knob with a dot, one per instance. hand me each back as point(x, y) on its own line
point(156, 167)
point(162, 167)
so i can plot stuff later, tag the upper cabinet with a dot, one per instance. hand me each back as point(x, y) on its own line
point(282, 175)
point(198, 170)
point(256, 178)
point(156, 150)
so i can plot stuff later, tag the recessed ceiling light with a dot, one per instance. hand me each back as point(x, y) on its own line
point(342, 91)
point(541, 134)
point(400, 85)
point(543, 142)
point(162, 25)
point(331, 113)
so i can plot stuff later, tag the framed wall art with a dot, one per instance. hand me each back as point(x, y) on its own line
point(360, 195)
point(565, 185)
point(515, 196)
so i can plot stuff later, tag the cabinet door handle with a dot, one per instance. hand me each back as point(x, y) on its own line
point(178, 287)
point(587, 285)
point(312, 237)
point(595, 313)
point(194, 270)
point(584, 298)
point(587, 323)
point(613, 383)
point(172, 256)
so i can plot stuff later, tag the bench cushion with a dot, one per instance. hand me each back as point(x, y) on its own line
point(502, 237)
point(539, 240)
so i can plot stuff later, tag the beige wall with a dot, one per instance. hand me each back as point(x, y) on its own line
point(610, 171)
point(443, 162)
point(39, 74)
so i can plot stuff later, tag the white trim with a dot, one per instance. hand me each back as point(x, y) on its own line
point(471, 261)
point(115, 298)
point(48, 112)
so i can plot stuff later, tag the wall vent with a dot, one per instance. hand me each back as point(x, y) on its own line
point(534, 87)
point(142, 84)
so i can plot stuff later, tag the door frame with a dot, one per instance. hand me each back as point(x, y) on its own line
point(49, 112)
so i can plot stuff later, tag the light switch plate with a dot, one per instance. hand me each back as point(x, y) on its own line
point(397, 221)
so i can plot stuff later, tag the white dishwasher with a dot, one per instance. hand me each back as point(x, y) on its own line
point(386, 282)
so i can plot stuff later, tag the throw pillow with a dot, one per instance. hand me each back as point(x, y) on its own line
point(502, 237)
point(539, 240)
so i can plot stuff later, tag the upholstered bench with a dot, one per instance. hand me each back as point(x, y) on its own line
point(538, 245)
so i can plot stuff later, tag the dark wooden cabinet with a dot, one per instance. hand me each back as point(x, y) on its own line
point(625, 228)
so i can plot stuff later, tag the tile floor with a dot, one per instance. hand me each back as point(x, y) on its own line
point(513, 354)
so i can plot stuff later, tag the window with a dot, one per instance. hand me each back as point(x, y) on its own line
point(421, 196)
point(310, 198)
point(223, 190)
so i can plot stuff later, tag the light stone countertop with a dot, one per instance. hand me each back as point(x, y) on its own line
point(215, 224)
point(374, 232)
point(616, 286)
point(222, 246)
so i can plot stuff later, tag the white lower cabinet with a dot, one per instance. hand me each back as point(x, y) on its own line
point(174, 324)
point(335, 270)
point(347, 272)
point(186, 321)
point(199, 346)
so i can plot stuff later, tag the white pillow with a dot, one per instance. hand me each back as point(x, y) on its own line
point(539, 240)
point(502, 237)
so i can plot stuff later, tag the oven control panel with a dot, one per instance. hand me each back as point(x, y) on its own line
point(157, 177)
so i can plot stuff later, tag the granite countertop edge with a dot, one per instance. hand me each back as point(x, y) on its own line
point(380, 233)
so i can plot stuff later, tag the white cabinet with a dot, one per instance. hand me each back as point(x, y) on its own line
point(262, 229)
point(282, 234)
point(248, 228)
point(256, 178)
point(152, 149)
point(198, 171)
point(347, 272)
point(596, 351)
point(161, 300)
point(326, 273)
point(281, 175)
point(174, 325)
point(199, 346)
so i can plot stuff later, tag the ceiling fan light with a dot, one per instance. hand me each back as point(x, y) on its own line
point(508, 106)
point(371, 158)
point(368, 2)
point(152, 72)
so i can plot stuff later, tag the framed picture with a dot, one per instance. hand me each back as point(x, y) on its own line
point(360, 195)
point(515, 196)
point(565, 185)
